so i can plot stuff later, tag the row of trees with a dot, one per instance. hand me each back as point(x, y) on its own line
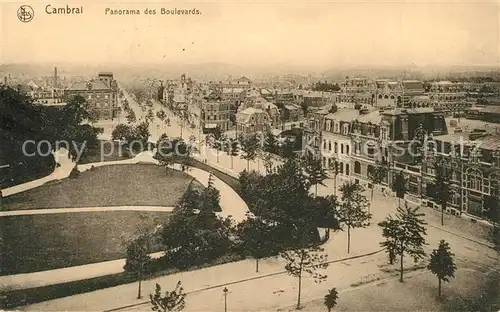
point(133, 138)
point(405, 236)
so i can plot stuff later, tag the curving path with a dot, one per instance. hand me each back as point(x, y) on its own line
point(60, 172)
point(231, 205)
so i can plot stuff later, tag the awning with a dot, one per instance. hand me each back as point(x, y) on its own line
point(210, 126)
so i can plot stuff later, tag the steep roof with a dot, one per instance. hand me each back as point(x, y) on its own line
point(343, 114)
point(245, 115)
point(416, 110)
point(489, 141)
point(372, 117)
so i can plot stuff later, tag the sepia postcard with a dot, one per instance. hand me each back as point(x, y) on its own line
point(245, 156)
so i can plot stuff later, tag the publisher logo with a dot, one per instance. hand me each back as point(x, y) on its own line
point(25, 13)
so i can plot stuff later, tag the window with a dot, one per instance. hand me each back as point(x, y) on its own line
point(336, 147)
point(347, 169)
point(329, 145)
point(341, 167)
point(341, 148)
point(346, 129)
point(357, 167)
point(383, 132)
point(337, 127)
point(475, 180)
point(324, 144)
point(370, 151)
point(347, 149)
point(369, 170)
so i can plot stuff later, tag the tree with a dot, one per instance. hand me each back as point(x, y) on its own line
point(268, 163)
point(314, 171)
point(492, 204)
point(325, 209)
point(270, 142)
point(170, 151)
point(288, 149)
point(352, 211)
point(137, 259)
point(93, 115)
point(193, 234)
point(256, 237)
point(131, 117)
point(249, 145)
point(442, 264)
point(378, 174)
point(443, 187)
point(232, 149)
point(399, 186)
point(122, 132)
point(211, 196)
point(404, 235)
point(172, 300)
point(307, 260)
point(331, 299)
point(336, 170)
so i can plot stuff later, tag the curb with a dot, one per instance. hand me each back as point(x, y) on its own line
point(247, 279)
point(464, 237)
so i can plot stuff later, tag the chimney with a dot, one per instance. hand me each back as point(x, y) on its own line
point(5, 80)
point(55, 77)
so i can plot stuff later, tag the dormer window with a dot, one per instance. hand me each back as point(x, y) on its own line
point(346, 129)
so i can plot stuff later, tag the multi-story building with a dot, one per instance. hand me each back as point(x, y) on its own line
point(473, 161)
point(256, 114)
point(360, 139)
point(315, 99)
point(380, 92)
point(292, 113)
point(356, 90)
point(215, 111)
point(397, 93)
point(336, 140)
point(487, 114)
point(446, 95)
point(101, 93)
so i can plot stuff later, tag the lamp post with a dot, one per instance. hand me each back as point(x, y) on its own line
point(225, 290)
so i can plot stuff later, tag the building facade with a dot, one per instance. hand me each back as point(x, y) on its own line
point(473, 160)
point(215, 111)
point(102, 97)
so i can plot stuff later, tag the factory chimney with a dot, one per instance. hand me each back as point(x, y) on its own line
point(55, 77)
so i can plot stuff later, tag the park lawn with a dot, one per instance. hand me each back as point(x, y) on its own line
point(33, 243)
point(473, 287)
point(114, 185)
point(105, 151)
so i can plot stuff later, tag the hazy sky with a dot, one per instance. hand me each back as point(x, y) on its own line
point(247, 33)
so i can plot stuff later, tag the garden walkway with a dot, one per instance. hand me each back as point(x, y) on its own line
point(230, 202)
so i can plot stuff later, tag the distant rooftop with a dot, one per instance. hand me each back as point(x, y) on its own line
point(84, 86)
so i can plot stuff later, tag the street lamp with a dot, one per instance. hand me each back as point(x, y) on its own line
point(225, 290)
